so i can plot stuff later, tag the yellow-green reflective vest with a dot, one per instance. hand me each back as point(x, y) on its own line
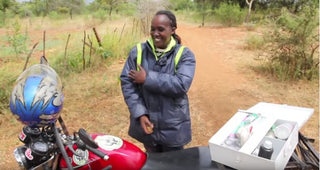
point(176, 59)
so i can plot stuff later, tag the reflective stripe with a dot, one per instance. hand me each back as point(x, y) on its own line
point(139, 55)
point(176, 59)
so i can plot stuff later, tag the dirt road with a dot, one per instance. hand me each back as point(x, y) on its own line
point(219, 88)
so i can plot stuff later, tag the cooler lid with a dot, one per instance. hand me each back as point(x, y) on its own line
point(283, 111)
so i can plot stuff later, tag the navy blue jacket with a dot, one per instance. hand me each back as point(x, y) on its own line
point(162, 97)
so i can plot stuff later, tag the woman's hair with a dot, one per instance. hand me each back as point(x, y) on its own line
point(173, 20)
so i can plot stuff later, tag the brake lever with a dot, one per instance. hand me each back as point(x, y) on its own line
point(84, 146)
point(87, 142)
point(87, 139)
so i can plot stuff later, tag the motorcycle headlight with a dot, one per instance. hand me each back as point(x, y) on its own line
point(20, 157)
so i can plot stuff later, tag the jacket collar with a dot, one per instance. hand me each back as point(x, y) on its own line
point(169, 47)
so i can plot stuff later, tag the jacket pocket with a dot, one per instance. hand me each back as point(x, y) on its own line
point(179, 109)
point(136, 131)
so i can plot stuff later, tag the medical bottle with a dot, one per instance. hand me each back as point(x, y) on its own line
point(266, 149)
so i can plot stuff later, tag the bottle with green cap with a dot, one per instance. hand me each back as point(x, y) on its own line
point(266, 149)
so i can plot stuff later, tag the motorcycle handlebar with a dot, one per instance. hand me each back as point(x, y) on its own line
point(98, 152)
point(91, 145)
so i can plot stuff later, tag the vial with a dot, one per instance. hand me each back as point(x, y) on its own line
point(266, 149)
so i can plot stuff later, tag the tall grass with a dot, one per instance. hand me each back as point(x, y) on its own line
point(117, 41)
point(9, 71)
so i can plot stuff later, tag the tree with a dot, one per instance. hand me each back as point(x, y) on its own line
point(4, 6)
point(249, 2)
point(205, 8)
point(181, 4)
point(109, 4)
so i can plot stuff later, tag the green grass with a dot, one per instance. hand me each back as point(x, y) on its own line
point(254, 42)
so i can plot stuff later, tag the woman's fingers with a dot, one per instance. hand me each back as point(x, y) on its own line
point(146, 125)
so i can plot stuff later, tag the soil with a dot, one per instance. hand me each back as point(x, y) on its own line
point(223, 83)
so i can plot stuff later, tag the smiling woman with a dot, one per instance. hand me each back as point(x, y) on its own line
point(155, 80)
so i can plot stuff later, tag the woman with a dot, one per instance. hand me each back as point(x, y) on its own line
point(155, 87)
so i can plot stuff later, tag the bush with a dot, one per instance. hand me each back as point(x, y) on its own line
point(100, 14)
point(17, 40)
point(55, 15)
point(254, 42)
point(293, 45)
point(229, 15)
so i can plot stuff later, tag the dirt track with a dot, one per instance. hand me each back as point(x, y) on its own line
point(219, 88)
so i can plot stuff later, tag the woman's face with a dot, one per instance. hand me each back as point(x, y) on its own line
point(161, 31)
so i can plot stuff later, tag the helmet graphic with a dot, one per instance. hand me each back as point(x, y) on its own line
point(37, 96)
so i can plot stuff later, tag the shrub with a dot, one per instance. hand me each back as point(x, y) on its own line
point(100, 14)
point(17, 39)
point(293, 45)
point(254, 42)
point(229, 14)
point(55, 15)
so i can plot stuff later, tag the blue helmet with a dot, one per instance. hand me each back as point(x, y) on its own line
point(37, 96)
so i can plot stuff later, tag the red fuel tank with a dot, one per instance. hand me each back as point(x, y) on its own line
point(123, 155)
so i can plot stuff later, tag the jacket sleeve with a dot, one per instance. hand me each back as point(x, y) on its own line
point(173, 84)
point(130, 90)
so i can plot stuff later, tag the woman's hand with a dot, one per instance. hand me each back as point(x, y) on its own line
point(138, 76)
point(146, 125)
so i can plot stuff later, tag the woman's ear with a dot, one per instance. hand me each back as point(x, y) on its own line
point(173, 30)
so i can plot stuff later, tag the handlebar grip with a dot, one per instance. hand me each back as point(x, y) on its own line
point(98, 152)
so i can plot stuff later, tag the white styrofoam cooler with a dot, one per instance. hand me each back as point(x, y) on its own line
point(246, 156)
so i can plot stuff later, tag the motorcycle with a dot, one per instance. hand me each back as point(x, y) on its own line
point(37, 100)
point(49, 148)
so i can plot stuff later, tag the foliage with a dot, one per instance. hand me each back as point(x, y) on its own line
point(118, 42)
point(185, 5)
point(2, 18)
point(100, 14)
point(38, 7)
point(293, 45)
point(254, 42)
point(55, 15)
point(8, 74)
point(7, 7)
point(74, 62)
point(204, 9)
point(17, 39)
point(229, 14)
point(108, 5)
point(43, 8)
point(5, 4)
point(293, 6)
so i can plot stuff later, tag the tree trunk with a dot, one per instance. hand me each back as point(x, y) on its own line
point(249, 10)
point(203, 20)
